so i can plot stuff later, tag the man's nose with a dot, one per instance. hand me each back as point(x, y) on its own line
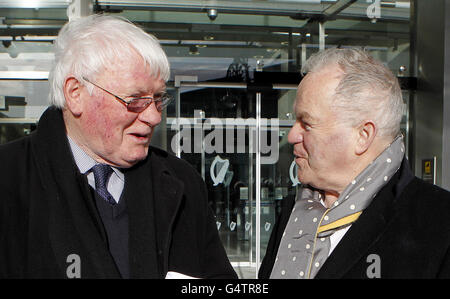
point(295, 134)
point(150, 115)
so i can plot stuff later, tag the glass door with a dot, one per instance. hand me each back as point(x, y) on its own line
point(210, 126)
point(237, 140)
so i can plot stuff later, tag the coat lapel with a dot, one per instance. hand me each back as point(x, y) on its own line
point(138, 193)
point(356, 242)
point(373, 222)
point(167, 193)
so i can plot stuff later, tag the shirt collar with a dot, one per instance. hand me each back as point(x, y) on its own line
point(84, 162)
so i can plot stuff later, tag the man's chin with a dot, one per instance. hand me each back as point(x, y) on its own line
point(305, 180)
point(130, 161)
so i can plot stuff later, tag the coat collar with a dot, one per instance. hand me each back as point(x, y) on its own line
point(72, 227)
point(368, 228)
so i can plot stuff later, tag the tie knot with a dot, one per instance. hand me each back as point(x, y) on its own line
point(101, 174)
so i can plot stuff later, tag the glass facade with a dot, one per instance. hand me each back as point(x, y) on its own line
point(235, 66)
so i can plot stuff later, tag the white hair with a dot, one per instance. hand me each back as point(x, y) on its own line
point(86, 46)
point(367, 89)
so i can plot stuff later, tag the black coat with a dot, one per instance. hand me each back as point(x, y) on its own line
point(47, 214)
point(407, 227)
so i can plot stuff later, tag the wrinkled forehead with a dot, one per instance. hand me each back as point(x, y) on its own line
point(130, 78)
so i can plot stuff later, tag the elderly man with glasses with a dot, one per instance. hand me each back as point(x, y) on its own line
point(85, 195)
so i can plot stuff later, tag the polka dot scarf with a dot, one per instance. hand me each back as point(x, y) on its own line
point(305, 243)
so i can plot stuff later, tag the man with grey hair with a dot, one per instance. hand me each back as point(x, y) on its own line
point(85, 195)
point(359, 212)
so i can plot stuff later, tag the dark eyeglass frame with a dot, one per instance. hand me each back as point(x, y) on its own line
point(160, 103)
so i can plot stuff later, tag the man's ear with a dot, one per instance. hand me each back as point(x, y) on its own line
point(72, 93)
point(366, 135)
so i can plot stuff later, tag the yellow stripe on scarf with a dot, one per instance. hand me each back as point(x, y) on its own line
point(340, 222)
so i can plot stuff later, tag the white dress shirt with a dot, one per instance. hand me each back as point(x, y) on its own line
point(85, 163)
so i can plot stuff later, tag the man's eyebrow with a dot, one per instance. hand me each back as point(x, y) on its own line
point(305, 116)
point(140, 92)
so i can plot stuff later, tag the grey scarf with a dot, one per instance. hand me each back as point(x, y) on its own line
point(305, 243)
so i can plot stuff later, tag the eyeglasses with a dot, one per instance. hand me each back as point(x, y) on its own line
point(139, 104)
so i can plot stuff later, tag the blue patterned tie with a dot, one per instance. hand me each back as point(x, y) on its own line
point(101, 175)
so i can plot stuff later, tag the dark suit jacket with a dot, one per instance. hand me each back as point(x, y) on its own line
point(47, 213)
point(406, 226)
